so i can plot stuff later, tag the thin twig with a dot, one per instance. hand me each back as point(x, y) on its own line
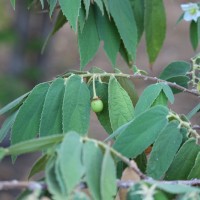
point(174, 85)
point(33, 185)
point(14, 184)
point(196, 127)
point(144, 77)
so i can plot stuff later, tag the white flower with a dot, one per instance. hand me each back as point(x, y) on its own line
point(147, 192)
point(191, 11)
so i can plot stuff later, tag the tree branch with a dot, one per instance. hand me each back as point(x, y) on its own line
point(174, 85)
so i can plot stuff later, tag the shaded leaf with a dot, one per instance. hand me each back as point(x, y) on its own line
point(51, 118)
point(34, 145)
point(100, 5)
point(138, 11)
point(123, 17)
point(179, 80)
point(71, 10)
point(109, 34)
point(13, 3)
point(141, 132)
point(76, 106)
point(195, 172)
point(120, 105)
point(92, 158)
point(52, 4)
point(13, 104)
point(39, 165)
point(88, 38)
point(52, 183)
point(193, 111)
point(27, 122)
point(108, 177)
point(183, 161)
point(7, 125)
point(174, 69)
point(70, 160)
point(164, 150)
point(194, 35)
point(3, 153)
point(87, 7)
point(129, 86)
point(155, 27)
point(103, 116)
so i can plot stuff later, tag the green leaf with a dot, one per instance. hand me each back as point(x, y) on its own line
point(106, 7)
point(109, 34)
point(147, 98)
point(52, 183)
point(133, 192)
point(13, 3)
point(174, 69)
point(103, 116)
point(120, 105)
point(195, 173)
point(183, 161)
point(100, 5)
point(88, 40)
point(87, 7)
point(80, 196)
point(164, 150)
point(168, 92)
point(12, 105)
point(71, 10)
point(122, 14)
point(42, 3)
point(161, 99)
point(92, 158)
point(76, 106)
point(7, 125)
point(81, 18)
point(138, 11)
point(51, 118)
point(52, 4)
point(193, 111)
point(125, 55)
point(128, 85)
point(179, 80)
point(194, 35)
point(155, 27)
point(59, 176)
point(60, 21)
point(70, 160)
point(175, 188)
point(108, 177)
point(141, 132)
point(27, 122)
point(3, 153)
point(34, 145)
point(39, 165)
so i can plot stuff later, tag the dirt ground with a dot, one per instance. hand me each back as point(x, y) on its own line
point(65, 54)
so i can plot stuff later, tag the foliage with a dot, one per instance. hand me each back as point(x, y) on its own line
point(54, 117)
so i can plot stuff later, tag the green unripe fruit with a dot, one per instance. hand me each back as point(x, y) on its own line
point(97, 105)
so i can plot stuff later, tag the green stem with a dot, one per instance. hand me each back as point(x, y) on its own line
point(94, 88)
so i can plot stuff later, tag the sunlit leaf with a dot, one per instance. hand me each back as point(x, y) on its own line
point(141, 132)
point(120, 105)
point(76, 106)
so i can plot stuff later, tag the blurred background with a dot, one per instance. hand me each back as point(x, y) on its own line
point(22, 66)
